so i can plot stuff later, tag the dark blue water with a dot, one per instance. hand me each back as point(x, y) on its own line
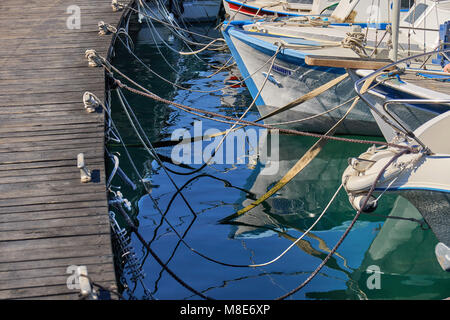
point(402, 251)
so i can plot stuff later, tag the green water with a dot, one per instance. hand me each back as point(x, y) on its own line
point(402, 250)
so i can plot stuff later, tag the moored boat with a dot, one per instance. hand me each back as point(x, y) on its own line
point(244, 10)
point(293, 41)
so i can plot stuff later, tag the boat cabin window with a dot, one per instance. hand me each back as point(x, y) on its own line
point(416, 13)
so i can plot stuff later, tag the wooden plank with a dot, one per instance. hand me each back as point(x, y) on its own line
point(82, 203)
point(70, 201)
point(53, 252)
point(346, 63)
point(52, 263)
point(51, 130)
point(35, 139)
point(42, 226)
point(96, 240)
point(47, 163)
point(52, 214)
point(49, 276)
point(49, 281)
point(60, 231)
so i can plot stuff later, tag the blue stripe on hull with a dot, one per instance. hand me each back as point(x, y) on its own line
point(243, 69)
point(294, 57)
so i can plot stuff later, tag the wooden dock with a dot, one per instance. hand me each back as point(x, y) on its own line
point(49, 220)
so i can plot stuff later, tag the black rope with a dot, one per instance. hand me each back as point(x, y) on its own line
point(134, 229)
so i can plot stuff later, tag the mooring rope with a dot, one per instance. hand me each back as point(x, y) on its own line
point(153, 96)
point(301, 164)
point(229, 130)
point(181, 238)
point(342, 238)
point(189, 89)
point(235, 265)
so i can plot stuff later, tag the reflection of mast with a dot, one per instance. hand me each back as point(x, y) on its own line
point(305, 245)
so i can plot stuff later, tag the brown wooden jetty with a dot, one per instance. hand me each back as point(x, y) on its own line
point(49, 220)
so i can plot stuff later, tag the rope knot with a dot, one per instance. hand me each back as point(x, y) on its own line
point(356, 40)
point(118, 83)
point(93, 58)
point(105, 29)
point(116, 6)
point(91, 102)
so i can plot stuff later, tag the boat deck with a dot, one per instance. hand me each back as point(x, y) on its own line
point(431, 84)
point(49, 220)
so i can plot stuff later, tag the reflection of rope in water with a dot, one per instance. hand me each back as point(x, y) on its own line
point(189, 89)
point(126, 105)
point(182, 237)
point(225, 283)
point(366, 200)
point(131, 224)
point(128, 258)
point(214, 260)
point(179, 191)
point(182, 240)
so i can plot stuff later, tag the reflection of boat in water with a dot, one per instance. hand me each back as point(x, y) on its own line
point(401, 249)
point(299, 202)
point(402, 255)
point(231, 96)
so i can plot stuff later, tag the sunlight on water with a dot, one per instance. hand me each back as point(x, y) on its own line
point(401, 250)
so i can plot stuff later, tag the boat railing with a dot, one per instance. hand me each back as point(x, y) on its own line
point(359, 84)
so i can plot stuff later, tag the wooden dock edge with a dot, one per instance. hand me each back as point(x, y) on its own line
point(50, 222)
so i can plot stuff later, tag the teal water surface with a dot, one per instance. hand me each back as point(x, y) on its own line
point(402, 251)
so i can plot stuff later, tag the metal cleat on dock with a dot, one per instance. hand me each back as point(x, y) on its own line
point(84, 171)
point(90, 101)
point(93, 59)
point(116, 6)
point(86, 290)
point(105, 29)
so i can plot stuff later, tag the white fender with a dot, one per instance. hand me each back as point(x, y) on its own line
point(360, 175)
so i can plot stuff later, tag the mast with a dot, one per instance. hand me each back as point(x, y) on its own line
point(395, 29)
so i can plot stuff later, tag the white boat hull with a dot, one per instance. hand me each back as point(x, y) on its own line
point(289, 81)
point(422, 178)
